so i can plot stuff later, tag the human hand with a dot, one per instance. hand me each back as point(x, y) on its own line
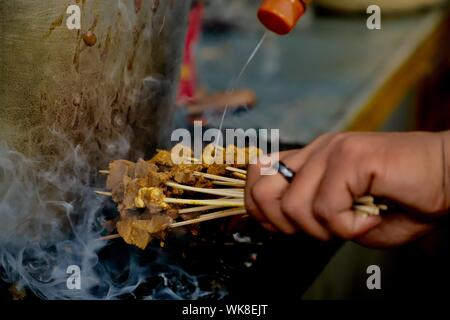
point(409, 168)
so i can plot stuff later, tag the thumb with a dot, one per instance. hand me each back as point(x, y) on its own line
point(347, 224)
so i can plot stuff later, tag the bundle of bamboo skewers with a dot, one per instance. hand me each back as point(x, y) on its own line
point(220, 195)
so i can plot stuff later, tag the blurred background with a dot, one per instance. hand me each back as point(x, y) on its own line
point(73, 101)
point(331, 73)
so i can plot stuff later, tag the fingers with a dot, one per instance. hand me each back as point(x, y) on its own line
point(321, 206)
point(297, 201)
point(334, 170)
point(341, 183)
point(267, 193)
point(263, 193)
point(395, 229)
point(318, 200)
point(253, 174)
point(347, 224)
point(262, 197)
point(251, 203)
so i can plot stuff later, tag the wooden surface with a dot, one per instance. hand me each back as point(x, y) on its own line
point(387, 5)
point(412, 68)
point(330, 74)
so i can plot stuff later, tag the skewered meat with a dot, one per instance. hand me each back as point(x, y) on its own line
point(217, 169)
point(143, 168)
point(184, 173)
point(182, 152)
point(242, 157)
point(131, 188)
point(203, 183)
point(150, 196)
point(115, 182)
point(140, 232)
point(163, 158)
point(158, 179)
point(140, 190)
point(234, 156)
point(131, 235)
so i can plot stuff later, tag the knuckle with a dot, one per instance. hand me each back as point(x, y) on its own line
point(345, 233)
point(249, 205)
point(437, 203)
point(260, 192)
point(339, 136)
point(253, 170)
point(321, 211)
point(326, 236)
point(323, 235)
point(331, 220)
point(327, 135)
point(323, 137)
point(290, 231)
point(290, 204)
point(349, 146)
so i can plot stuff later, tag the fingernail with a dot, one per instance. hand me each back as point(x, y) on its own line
point(363, 224)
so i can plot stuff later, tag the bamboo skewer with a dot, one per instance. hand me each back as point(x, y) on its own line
point(216, 177)
point(361, 204)
point(237, 190)
point(238, 202)
point(230, 200)
point(235, 202)
point(181, 211)
point(229, 184)
point(363, 210)
point(226, 192)
point(367, 200)
point(110, 237)
point(240, 175)
point(202, 218)
point(234, 194)
point(233, 198)
point(198, 209)
point(205, 190)
point(220, 202)
point(190, 160)
point(237, 170)
point(232, 169)
point(370, 210)
point(104, 193)
point(210, 216)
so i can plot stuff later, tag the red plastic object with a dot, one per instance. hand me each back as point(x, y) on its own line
point(188, 81)
point(281, 16)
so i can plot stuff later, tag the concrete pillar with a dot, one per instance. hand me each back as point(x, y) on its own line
point(108, 87)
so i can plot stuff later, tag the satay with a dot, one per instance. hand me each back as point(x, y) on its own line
point(155, 195)
point(142, 191)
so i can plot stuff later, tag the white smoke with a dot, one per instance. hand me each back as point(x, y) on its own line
point(50, 219)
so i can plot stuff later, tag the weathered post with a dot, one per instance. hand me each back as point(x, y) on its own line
point(107, 87)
